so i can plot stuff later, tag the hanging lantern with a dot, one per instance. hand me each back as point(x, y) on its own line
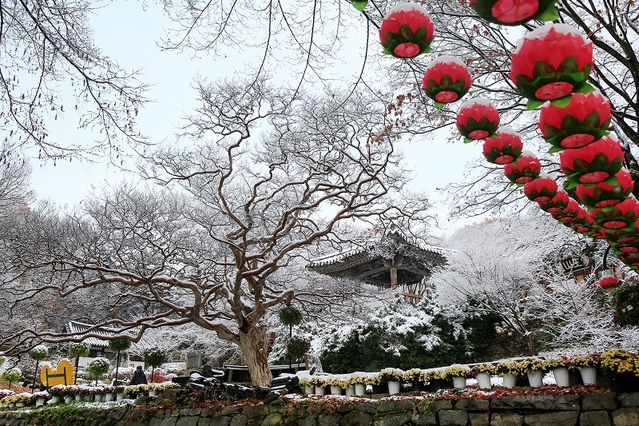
point(608, 192)
point(503, 147)
point(593, 163)
point(568, 214)
point(477, 119)
point(525, 169)
point(609, 282)
point(541, 189)
point(406, 31)
point(584, 120)
point(446, 80)
point(626, 235)
point(618, 216)
point(556, 203)
point(509, 12)
point(584, 224)
point(550, 63)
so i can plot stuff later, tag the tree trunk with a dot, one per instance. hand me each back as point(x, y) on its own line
point(254, 347)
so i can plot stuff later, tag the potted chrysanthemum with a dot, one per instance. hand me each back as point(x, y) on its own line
point(482, 373)
point(587, 366)
point(459, 373)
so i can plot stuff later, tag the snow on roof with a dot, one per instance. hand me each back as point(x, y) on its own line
point(371, 245)
point(75, 327)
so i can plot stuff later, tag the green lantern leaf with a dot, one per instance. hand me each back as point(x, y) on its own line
point(571, 184)
point(439, 105)
point(360, 5)
point(533, 104)
point(555, 149)
point(468, 140)
point(562, 102)
point(586, 88)
point(550, 14)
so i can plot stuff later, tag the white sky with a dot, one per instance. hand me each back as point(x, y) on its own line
point(127, 33)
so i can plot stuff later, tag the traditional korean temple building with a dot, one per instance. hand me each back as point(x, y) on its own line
point(391, 260)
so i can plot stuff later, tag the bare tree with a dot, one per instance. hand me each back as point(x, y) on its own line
point(267, 179)
point(50, 69)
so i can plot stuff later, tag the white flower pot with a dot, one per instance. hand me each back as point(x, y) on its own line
point(393, 387)
point(20, 404)
point(509, 381)
point(108, 397)
point(320, 390)
point(350, 391)
point(119, 397)
point(88, 398)
point(534, 378)
point(99, 398)
point(459, 382)
point(40, 402)
point(588, 375)
point(483, 380)
point(68, 399)
point(153, 393)
point(55, 400)
point(336, 390)
point(78, 398)
point(360, 389)
point(562, 377)
point(309, 390)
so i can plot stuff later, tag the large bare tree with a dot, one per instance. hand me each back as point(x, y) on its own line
point(265, 180)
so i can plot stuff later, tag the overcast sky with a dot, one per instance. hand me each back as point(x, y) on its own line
point(127, 33)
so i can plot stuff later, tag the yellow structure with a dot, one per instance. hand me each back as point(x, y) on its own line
point(62, 375)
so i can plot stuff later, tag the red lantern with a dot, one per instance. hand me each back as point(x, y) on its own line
point(504, 147)
point(541, 189)
point(525, 169)
point(477, 119)
point(551, 62)
point(608, 283)
point(584, 224)
point(593, 163)
point(626, 235)
point(618, 216)
point(568, 215)
point(514, 12)
point(446, 80)
point(556, 203)
point(584, 120)
point(608, 192)
point(406, 31)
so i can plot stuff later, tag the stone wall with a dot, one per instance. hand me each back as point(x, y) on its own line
point(593, 409)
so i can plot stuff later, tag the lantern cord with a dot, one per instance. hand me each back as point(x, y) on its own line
point(605, 256)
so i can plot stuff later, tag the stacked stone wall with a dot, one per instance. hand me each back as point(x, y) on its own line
point(592, 409)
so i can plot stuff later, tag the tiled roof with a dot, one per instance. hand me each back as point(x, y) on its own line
point(75, 327)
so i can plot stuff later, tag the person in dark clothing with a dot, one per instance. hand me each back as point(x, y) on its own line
point(138, 377)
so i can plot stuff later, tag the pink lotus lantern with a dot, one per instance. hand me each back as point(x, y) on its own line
point(626, 235)
point(477, 119)
point(618, 216)
point(541, 189)
point(406, 31)
point(551, 62)
point(584, 120)
point(584, 224)
point(446, 80)
point(556, 203)
point(593, 163)
point(514, 12)
point(568, 215)
point(608, 192)
point(525, 169)
point(608, 283)
point(504, 147)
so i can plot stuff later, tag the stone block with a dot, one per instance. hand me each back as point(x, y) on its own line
point(453, 418)
point(629, 399)
point(239, 420)
point(536, 402)
point(506, 419)
point(218, 421)
point(434, 406)
point(396, 406)
point(559, 418)
point(357, 418)
point(599, 401)
point(595, 418)
point(328, 419)
point(627, 416)
point(187, 421)
point(273, 419)
point(479, 419)
point(472, 404)
point(427, 418)
point(366, 407)
point(395, 419)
